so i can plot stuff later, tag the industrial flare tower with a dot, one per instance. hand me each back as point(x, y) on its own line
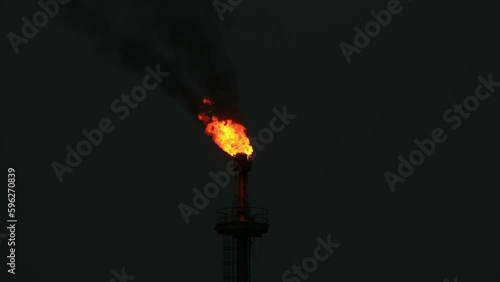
point(239, 224)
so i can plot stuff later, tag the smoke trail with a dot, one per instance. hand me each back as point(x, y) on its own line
point(182, 36)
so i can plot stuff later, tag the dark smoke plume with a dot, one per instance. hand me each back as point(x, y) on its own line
point(182, 36)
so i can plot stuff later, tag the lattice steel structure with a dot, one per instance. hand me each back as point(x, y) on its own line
point(238, 225)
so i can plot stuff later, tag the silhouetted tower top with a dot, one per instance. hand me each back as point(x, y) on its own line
point(239, 224)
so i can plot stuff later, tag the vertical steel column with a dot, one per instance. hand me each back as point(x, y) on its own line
point(242, 259)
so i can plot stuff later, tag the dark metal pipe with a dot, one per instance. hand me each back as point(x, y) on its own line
point(243, 165)
point(242, 194)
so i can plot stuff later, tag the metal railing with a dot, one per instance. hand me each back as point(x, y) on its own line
point(252, 214)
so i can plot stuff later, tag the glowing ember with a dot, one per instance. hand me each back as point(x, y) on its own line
point(208, 101)
point(230, 136)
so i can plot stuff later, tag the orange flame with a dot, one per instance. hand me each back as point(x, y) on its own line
point(230, 136)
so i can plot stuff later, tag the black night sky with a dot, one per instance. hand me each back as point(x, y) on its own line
point(321, 175)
